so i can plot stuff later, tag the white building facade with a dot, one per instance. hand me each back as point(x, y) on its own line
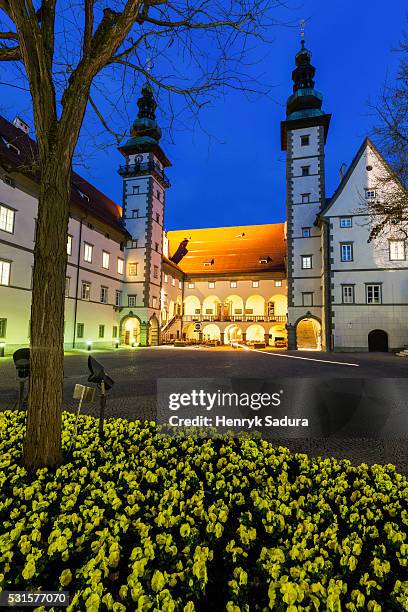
point(314, 281)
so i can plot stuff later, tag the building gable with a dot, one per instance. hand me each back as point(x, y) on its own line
point(363, 173)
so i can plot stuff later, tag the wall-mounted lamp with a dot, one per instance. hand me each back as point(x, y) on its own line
point(2, 348)
point(89, 344)
point(116, 342)
point(350, 325)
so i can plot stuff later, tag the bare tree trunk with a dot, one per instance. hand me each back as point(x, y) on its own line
point(42, 445)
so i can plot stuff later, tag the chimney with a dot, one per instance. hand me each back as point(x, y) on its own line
point(343, 169)
point(21, 125)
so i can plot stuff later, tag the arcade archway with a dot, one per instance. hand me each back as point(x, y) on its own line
point(211, 332)
point(255, 333)
point(232, 333)
point(309, 334)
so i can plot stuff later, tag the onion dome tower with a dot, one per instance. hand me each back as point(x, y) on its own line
point(303, 137)
point(144, 188)
point(304, 106)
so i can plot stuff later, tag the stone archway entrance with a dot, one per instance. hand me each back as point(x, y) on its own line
point(378, 341)
point(153, 332)
point(130, 331)
point(309, 334)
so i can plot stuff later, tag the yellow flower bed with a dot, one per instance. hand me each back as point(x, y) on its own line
point(150, 522)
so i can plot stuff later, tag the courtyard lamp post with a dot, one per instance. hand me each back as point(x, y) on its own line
point(104, 383)
point(21, 358)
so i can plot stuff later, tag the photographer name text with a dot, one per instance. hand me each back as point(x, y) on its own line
point(243, 423)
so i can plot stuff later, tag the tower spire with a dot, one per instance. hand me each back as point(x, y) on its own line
point(305, 101)
point(304, 106)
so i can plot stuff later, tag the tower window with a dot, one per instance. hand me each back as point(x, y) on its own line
point(305, 140)
point(131, 301)
point(166, 278)
point(67, 281)
point(158, 195)
point(118, 299)
point(191, 285)
point(156, 271)
point(306, 262)
point(173, 282)
point(278, 283)
point(156, 246)
point(307, 299)
point(101, 331)
point(305, 170)
point(370, 194)
point(233, 284)
point(69, 241)
point(211, 285)
point(306, 232)
point(346, 251)
point(255, 284)
point(157, 218)
point(305, 198)
point(120, 265)
point(135, 213)
point(136, 189)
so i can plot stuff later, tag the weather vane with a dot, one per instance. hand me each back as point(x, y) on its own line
point(302, 29)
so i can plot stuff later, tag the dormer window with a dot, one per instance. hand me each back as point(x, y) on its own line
point(370, 194)
point(264, 259)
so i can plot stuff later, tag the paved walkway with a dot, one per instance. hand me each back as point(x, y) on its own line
point(136, 371)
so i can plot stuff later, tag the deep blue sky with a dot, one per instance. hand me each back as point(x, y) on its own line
point(238, 177)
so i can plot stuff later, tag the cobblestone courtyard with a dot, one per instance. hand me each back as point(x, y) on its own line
point(136, 371)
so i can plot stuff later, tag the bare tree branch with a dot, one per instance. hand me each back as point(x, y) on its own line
point(389, 209)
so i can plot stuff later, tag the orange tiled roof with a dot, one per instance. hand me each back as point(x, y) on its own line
point(231, 249)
